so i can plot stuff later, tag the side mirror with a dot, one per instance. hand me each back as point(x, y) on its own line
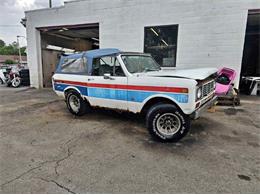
point(107, 76)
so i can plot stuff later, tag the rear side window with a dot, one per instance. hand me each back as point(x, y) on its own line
point(77, 65)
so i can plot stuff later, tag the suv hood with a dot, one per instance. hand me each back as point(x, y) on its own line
point(197, 74)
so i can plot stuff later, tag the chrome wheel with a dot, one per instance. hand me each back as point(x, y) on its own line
point(74, 103)
point(168, 124)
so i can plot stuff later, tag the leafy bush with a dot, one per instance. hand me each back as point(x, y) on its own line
point(9, 61)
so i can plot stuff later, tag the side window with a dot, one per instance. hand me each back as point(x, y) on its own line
point(77, 65)
point(118, 71)
point(106, 65)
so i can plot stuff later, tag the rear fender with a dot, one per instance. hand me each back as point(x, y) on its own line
point(71, 88)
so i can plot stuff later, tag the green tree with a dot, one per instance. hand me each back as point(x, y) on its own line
point(8, 50)
point(12, 49)
point(23, 51)
point(2, 43)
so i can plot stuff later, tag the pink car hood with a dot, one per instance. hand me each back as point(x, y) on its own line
point(196, 73)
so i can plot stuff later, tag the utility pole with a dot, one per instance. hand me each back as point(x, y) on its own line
point(20, 57)
point(19, 49)
point(50, 3)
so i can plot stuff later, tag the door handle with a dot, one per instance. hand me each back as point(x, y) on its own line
point(90, 79)
point(108, 76)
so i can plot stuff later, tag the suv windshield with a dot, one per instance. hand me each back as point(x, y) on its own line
point(140, 63)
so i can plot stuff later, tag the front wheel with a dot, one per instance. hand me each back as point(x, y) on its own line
point(16, 82)
point(76, 104)
point(167, 123)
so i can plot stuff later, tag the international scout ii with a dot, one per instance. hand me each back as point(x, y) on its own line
point(134, 82)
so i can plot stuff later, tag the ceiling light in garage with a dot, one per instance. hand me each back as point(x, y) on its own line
point(63, 29)
point(57, 48)
point(154, 32)
point(95, 39)
point(165, 42)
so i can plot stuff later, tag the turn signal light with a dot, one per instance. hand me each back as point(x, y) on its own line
point(185, 90)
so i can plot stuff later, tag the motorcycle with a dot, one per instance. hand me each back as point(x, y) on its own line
point(13, 79)
point(2, 77)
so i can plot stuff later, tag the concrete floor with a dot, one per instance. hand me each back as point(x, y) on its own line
point(44, 149)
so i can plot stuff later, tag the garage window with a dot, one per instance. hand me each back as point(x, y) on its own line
point(77, 65)
point(161, 43)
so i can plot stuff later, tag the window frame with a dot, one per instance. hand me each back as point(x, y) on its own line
point(113, 67)
point(158, 26)
point(145, 55)
point(74, 73)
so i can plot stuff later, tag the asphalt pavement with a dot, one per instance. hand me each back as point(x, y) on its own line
point(44, 149)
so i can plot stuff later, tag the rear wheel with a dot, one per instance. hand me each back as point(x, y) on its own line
point(76, 103)
point(167, 123)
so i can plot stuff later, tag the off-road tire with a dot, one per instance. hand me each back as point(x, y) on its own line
point(158, 111)
point(83, 106)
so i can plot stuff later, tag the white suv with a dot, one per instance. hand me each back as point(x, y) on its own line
point(134, 82)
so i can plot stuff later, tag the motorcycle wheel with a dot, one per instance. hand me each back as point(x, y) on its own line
point(16, 82)
point(1, 82)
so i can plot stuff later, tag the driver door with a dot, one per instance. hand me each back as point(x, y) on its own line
point(107, 84)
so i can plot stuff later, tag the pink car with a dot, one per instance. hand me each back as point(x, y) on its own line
point(225, 79)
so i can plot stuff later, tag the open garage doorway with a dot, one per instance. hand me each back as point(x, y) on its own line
point(251, 57)
point(62, 40)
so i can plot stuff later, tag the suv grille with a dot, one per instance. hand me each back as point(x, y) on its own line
point(208, 88)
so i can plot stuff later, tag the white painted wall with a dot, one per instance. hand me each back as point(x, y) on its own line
point(211, 32)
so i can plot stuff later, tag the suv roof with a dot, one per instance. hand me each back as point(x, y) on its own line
point(94, 53)
point(97, 53)
point(102, 52)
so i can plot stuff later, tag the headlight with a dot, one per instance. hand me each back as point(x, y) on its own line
point(199, 93)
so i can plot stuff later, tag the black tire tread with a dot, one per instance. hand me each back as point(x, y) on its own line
point(161, 107)
point(84, 105)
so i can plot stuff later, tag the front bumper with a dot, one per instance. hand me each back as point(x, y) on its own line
point(197, 113)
